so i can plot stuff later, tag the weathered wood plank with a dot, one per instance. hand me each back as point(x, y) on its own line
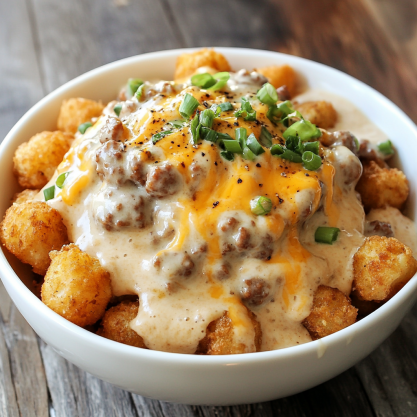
point(78, 36)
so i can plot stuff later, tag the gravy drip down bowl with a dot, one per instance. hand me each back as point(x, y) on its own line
point(194, 379)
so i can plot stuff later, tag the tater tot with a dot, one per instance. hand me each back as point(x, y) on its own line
point(381, 267)
point(380, 186)
point(219, 339)
point(321, 113)
point(332, 311)
point(187, 64)
point(76, 286)
point(23, 196)
point(31, 230)
point(35, 161)
point(76, 111)
point(115, 324)
point(279, 76)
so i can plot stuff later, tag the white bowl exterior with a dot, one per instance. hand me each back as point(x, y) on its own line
point(218, 380)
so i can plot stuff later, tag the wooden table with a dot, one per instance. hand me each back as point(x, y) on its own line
point(44, 43)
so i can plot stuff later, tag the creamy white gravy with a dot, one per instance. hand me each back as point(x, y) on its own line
point(191, 249)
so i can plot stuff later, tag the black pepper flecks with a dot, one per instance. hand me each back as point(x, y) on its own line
point(216, 203)
point(239, 181)
point(258, 165)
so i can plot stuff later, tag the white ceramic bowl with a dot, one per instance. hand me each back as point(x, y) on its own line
point(217, 380)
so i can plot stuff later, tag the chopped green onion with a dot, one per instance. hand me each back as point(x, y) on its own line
point(304, 129)
point(386, 148)
point(286, 154)
point(267, 94)
point(207, 118)
point(61, 179)
point(227, 155)
point(226, 106)
point(261, 205)
point(221, 80)
point(246, 111)
point(232, 146)
point(158, 136)
point(274, 114)
point(216, 109)
point(118, 108)
point(253, 144)
point(266, 138)
point(358, 145)
point(204, 81)
point(312, 147)
point(132, 86)
point(195, 127)
point(208, 134)
point(277, 150)
point(188, 106)
point(178, 124)
point(311, 161)
point(83, 127)
point(248, 154)
point(224, 136)
point(139, 92)
point(49, 193)
point(241, 135)
point(326, 234)
point(293, 144)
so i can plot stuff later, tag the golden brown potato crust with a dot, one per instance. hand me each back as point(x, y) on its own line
point(76, 286)
point(380, 186)
point(381, 267)
point(115, 324)
point(332, 311)
point(187, 64)
point(219, 339)
point(35, 161)
point(24, 196)
point(279, 76)
point(30, 231)
point(76, 111)
point(321, 113)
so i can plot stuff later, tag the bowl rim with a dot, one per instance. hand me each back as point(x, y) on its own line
point(8, 274)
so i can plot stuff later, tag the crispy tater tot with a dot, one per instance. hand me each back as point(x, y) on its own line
point(76, 111)
point(23, 196)
point(76, 286)
point(380, 186)
point(219, 339)
point(321, 113)
point(279, 76)
point(115, 324)
point(35, 161)
point(332, 311)
point(32, 229)
point(187, 64)
point(381, 267)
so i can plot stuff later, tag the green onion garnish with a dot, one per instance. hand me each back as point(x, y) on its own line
point(293, 144)
point(224, 136)
point(221, 79)
point(253, 144)
point(61, 179)
point(226, 106)
point(311, 161)
point(241, 135)
point(248, 154)
point(261, 205)
point(188, 106)
point(49, 193)
point(83, 127)
point(195, 127)
point(277, 149)
point(158, 136)
point(139, 92)
point(386, 148)
point(208, 134)
point(207, 118)
point(178, 124)
point(216, 109)
point(227, 155)
point(132, 86)
point(205, 80)
point(312, 147)
point(326, 234)
point(265, 138)
point(267, 94)
point(232, 146)
point(287, 154)
point(118, 108)
point(304, 129)
point(246, 111)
